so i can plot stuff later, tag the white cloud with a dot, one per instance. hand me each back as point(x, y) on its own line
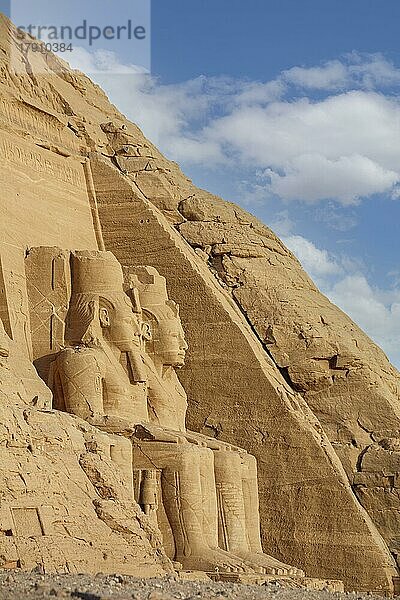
point(257, 93)
point(355, 134)
point(318, 263)
point(343, 146)
point(172, 116)
point(376, 311)
point(99, 61)
point(313, 177)
point(283, 224)
point(331, 76)
point(358, 71)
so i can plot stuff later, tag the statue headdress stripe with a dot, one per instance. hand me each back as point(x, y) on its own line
point(95, 272)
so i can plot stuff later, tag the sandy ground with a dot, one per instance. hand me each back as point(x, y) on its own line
point(28, 586)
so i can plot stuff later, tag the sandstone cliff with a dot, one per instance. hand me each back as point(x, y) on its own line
point(273, 365)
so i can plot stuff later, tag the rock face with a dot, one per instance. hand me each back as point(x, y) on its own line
point(273, 366)
point(345, 379)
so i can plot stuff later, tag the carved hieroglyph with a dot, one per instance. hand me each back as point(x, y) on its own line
point(31, 217)
point(208, 503)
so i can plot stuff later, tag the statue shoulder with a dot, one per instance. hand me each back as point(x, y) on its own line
point(80, 358)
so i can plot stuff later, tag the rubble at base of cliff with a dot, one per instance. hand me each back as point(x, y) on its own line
point(34, 586)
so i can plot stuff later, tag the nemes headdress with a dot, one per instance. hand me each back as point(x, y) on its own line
point(152, 292)
point(96, 277)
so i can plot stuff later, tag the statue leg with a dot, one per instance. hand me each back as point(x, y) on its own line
point(235, 513)
point(189, 500)
point(182, 498)
point(210, 504)
point(209, 497)
point(251, 503)
point(121, 454)
point(231, 509)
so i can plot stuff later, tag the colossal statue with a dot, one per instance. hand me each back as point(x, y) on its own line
point(118, 373)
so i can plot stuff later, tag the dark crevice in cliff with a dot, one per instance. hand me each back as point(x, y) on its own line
point(360, 458)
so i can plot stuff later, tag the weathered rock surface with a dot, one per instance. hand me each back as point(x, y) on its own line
point(306, 503)
point(344, 377)
point(273, 366)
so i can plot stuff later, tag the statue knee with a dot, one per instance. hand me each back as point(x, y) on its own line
point(250, 462)
point(228, 465)
point(206, 454)
point(187, 457)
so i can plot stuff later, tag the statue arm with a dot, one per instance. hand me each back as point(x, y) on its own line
point(80, 380)
point(213, 443)
point(151, 432)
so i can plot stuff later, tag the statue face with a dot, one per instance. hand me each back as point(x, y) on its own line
point(121, 325)
point(170, 343)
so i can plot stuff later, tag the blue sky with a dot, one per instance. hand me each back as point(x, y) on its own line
point(292, 110)
point(260, 38)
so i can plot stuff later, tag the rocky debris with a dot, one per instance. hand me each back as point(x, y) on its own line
point(29, 586)
point(63, 504)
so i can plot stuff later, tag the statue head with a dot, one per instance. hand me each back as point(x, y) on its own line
point(99, 307)
point(167, 340)
point(167, 335)
point(120, 326)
